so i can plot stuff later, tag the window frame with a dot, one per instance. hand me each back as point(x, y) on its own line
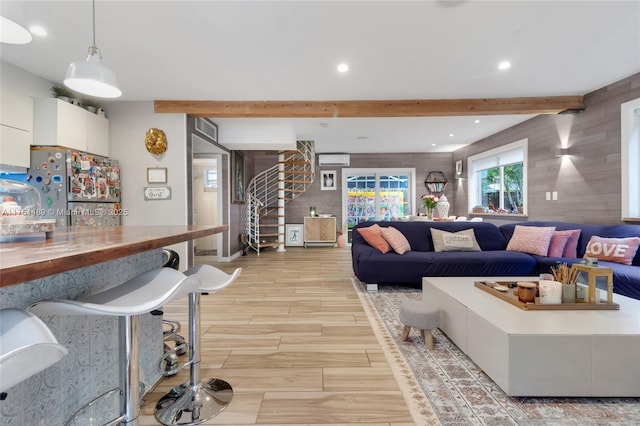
point(473, 189)
point(630, 153)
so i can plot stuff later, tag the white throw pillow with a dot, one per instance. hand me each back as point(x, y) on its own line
point(464, 240)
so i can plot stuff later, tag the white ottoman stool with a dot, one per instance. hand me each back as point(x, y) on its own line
point(420, 315)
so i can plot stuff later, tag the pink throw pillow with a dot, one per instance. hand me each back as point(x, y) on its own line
point(531, 239)
point(564, 243)
point(396, 240)
point(373, 235)
point(618, 250)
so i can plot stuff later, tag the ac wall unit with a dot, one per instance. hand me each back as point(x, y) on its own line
point(334, 159)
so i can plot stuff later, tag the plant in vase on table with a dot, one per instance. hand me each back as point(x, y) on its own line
point(562, 273)
point(430, 201)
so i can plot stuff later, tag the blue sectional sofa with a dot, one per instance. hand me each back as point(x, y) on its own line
point(372, 266)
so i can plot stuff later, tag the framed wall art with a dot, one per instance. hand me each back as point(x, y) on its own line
point(156, 175)
point(294, 234)
point(237, 169)
point(328, 180)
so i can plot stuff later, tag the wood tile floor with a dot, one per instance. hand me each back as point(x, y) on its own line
point(292, 338)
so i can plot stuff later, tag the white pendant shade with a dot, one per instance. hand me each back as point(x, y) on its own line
point(13, 33)
point(90, 77)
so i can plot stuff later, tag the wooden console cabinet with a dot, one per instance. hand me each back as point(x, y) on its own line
point(319, 230)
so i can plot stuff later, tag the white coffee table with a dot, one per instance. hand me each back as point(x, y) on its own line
point(541, 353)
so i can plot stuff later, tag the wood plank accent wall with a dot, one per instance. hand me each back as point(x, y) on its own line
point(331, 201)
point(588, 181)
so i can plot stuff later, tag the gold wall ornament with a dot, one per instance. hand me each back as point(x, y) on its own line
point(155, 141)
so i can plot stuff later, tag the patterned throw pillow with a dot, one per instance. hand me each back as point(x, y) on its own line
point(564, 243)
point(373, 235)
point(618, 250)
point(464, 240)
point(531, 239)
point(396, 240)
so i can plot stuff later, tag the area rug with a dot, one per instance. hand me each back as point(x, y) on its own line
point(459, 393)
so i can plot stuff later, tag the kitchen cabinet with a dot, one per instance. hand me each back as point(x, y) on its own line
point(319, 230)
point(16, 128)
point(60, 123)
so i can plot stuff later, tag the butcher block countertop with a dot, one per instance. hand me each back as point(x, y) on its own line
point(69, 249)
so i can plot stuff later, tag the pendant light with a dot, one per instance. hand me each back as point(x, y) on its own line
point(90, 77)
point(13, 33)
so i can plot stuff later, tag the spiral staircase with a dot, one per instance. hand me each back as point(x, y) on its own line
point(270, 190)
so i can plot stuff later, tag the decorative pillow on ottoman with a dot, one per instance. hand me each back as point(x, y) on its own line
point(464, 240)
point(619, 250)
point(531, 239)
point(373, 235)
point(396, 240)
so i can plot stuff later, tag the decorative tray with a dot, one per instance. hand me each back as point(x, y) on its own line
point(30, 227)
point(511, 295)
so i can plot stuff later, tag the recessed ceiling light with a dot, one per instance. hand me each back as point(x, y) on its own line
point(451, 135)
point(433, 144)
point(13, 33)
point(476, 121)
point(504, 65)
point(38, 30)
point(343, 67)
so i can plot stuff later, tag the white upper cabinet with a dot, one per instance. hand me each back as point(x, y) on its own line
point(63, 124)
point(16, 128)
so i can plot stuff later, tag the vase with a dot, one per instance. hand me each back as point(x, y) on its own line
point(430, 213)
point(569, 293)
point(443, 207)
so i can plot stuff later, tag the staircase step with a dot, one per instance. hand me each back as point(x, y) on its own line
point(293, 162)
point(296, 181)
point(298, 172)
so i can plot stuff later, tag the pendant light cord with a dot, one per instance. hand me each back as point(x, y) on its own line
point(94, 23)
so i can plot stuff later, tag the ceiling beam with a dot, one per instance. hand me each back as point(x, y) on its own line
point(373, 108)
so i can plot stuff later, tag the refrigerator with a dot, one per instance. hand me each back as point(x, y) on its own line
point(77, 188)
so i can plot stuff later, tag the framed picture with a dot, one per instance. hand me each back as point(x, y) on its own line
point(156, 175)
point(459, 168)
point(294, 234)
point(237, 169)
point(328, 180)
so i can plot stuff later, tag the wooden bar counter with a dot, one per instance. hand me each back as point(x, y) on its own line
point(33, 258)
point(79, 262)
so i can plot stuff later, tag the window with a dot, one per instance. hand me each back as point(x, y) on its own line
point(630, 121)
point(498, 179)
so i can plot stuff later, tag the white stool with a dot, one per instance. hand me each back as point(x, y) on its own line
point(197, 401)
point(420, 315)
point(128, 301)
point(27, 347)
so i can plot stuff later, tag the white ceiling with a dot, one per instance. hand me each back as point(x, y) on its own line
point(289, 50)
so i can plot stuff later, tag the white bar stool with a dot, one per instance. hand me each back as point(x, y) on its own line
point(128, 301)
point(27, 347)
point(197, 401)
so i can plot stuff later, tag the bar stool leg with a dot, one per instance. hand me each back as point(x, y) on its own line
point(200, 401)
point(130, 368)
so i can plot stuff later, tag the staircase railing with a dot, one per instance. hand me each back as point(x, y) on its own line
point(270, 190)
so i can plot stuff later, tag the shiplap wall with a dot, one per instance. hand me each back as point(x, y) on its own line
point(588, 181)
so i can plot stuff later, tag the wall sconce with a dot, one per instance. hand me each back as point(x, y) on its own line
point(436, 182)
point(562, 152)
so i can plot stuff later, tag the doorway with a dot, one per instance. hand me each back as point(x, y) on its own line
point(376, 194)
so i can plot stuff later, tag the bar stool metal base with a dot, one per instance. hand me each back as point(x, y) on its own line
point(190, 405)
